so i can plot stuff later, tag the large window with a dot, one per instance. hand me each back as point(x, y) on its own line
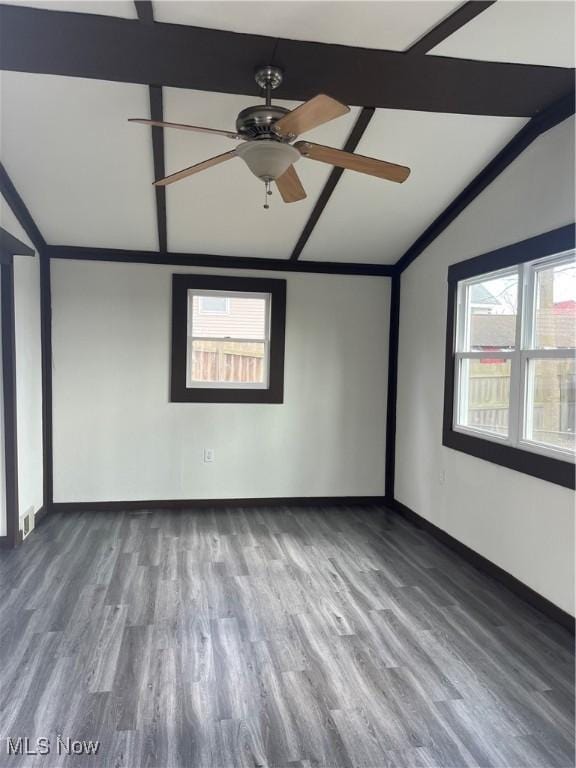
point(512, 338)
point(227, 339)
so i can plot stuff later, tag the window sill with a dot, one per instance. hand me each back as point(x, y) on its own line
point(537, 465)
point(524, 445)
point(225, 395)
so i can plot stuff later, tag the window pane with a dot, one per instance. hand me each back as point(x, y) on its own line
point(555, 314)
point(550, 412)
point(245, 319)
point(485, 395)
point(492, 311)
point(213, 305)
point(228, 361)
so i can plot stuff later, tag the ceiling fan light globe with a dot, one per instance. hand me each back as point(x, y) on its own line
point(268, 160)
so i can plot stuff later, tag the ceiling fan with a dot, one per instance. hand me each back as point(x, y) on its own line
point(267, 133)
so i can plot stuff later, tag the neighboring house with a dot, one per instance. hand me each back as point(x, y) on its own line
point(234, 317)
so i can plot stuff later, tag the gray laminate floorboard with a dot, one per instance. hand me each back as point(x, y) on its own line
point(299, 637)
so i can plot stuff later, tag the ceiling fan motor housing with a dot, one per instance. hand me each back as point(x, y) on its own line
point(257, 122)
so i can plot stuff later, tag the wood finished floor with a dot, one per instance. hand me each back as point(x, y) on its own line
point(273, 637)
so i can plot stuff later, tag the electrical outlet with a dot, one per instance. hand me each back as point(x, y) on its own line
point(209, 455)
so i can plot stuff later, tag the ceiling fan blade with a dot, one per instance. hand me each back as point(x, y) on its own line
point(195, 169)
point(290, 186)
point(352, 162)
point(311, 114)
point(183, 127)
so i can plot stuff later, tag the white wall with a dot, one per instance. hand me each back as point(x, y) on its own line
point(522, 524)
point(28, 382)
point(28, 371)
point(2, 449)
point(117, 437)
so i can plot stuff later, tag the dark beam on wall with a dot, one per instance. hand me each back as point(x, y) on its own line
point(22, 214)
point(393, 339)
point(538, 125)
point(10, 246)
point(157, 113)
point(449, 25)
point(46, 350)
point(125, 50)
point(218, 262)
point(351, 144)
point(9, 404)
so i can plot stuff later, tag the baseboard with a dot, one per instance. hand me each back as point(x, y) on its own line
point(40, 514)
point(539, 602)
point(155, 504)
point(5, 542)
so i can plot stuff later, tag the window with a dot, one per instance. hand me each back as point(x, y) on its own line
point(227, 339)
point(510, 374)
point(228, 348)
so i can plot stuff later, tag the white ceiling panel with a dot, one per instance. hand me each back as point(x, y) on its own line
point(85, 173)
point(374, 221)
point(386, 25)
point(533, 32)
point(220, 210)
point(123, 8)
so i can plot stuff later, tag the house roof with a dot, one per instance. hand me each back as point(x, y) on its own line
point(555, 327)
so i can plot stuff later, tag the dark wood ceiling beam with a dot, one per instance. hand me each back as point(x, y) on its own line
point(19, 209)
point(157, 113)
point(125, 50)
point(543, 122)
point(144, 10)
point(461, 16)
point(355, 135)
point(217, 262)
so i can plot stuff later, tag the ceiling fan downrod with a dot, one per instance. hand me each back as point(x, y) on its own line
point(268, 78)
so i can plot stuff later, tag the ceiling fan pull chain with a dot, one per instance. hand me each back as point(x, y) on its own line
point(267, 191)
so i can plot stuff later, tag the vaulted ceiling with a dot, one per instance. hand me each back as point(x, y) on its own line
point(450, 83)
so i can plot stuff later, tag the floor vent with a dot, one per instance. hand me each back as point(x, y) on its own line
point(28, 522)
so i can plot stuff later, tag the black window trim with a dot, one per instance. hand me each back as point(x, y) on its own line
point(179, 392)
point(543, 467)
